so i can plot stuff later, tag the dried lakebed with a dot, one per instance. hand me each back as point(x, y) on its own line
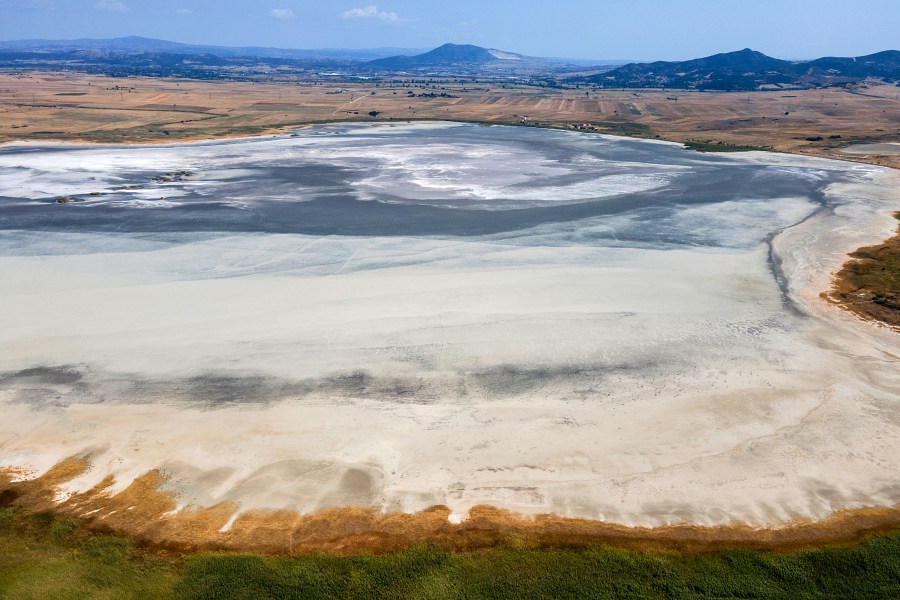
point(397, 317)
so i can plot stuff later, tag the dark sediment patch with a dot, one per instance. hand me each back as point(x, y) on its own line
point(63, 386)
point(48, 375)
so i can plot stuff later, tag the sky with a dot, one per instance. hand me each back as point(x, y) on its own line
point(591, 29)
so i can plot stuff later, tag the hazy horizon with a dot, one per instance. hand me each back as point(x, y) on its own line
point(643, 30)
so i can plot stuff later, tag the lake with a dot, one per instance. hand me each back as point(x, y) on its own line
point(408, 315)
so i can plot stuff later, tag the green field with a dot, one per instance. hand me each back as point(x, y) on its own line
point(710, 146)
point(43, 556)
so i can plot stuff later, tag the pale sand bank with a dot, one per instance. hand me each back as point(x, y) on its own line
point(886, 148)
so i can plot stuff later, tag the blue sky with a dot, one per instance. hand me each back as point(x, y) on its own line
point(601, 29)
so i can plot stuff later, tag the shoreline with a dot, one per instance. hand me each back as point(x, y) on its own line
point(864, 285)
point(343, 530)
point(143, 513)
point(286, 129)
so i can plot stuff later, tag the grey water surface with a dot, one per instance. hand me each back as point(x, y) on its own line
point(287, 185)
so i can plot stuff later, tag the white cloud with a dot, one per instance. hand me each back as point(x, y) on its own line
point(370, 12)
point(183, 11)
point(282, 14)
point(110, 5)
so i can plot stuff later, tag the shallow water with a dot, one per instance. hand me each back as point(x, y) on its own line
point(351, 180)
point(546, 321)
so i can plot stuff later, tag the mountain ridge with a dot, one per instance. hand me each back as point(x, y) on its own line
point(446, 55)
point(138, 44)
point(743, 70)
point(748, 70)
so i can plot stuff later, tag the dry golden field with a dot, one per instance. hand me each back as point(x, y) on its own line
point(48, 106)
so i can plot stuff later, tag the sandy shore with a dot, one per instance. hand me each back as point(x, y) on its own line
point(151, 517)
point(694, 400)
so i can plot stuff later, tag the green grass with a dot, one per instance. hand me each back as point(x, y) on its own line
point(44, 556)
point(710, 146)
point(626, 128)
point(47, 556)
point(877, 271)
point(888, 258)
point(869, 570)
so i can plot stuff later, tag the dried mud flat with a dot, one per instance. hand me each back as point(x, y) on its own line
point(357, 337)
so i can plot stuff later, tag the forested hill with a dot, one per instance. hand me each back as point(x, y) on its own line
point(749, 70)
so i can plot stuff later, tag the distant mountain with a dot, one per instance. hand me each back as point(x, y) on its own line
point(464, 58)
point(749, 70)
point(139, 45)
point(135, 55)
point(881, 64)
point(444, 56)
point(742, 70)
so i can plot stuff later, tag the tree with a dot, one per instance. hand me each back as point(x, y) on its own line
point(373, 113)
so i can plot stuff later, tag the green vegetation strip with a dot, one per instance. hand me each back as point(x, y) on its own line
point(48, 556)
point(871, 282)
point(710, 146)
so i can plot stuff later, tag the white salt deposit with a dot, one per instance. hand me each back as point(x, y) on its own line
point(565, 367)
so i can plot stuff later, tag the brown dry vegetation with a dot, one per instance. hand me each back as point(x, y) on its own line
point(44, 106)
point(147, 515)
point(869, 284)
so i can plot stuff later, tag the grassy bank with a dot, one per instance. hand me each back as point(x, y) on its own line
point(711, 146)
point(47, 556)
point(869, 284)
